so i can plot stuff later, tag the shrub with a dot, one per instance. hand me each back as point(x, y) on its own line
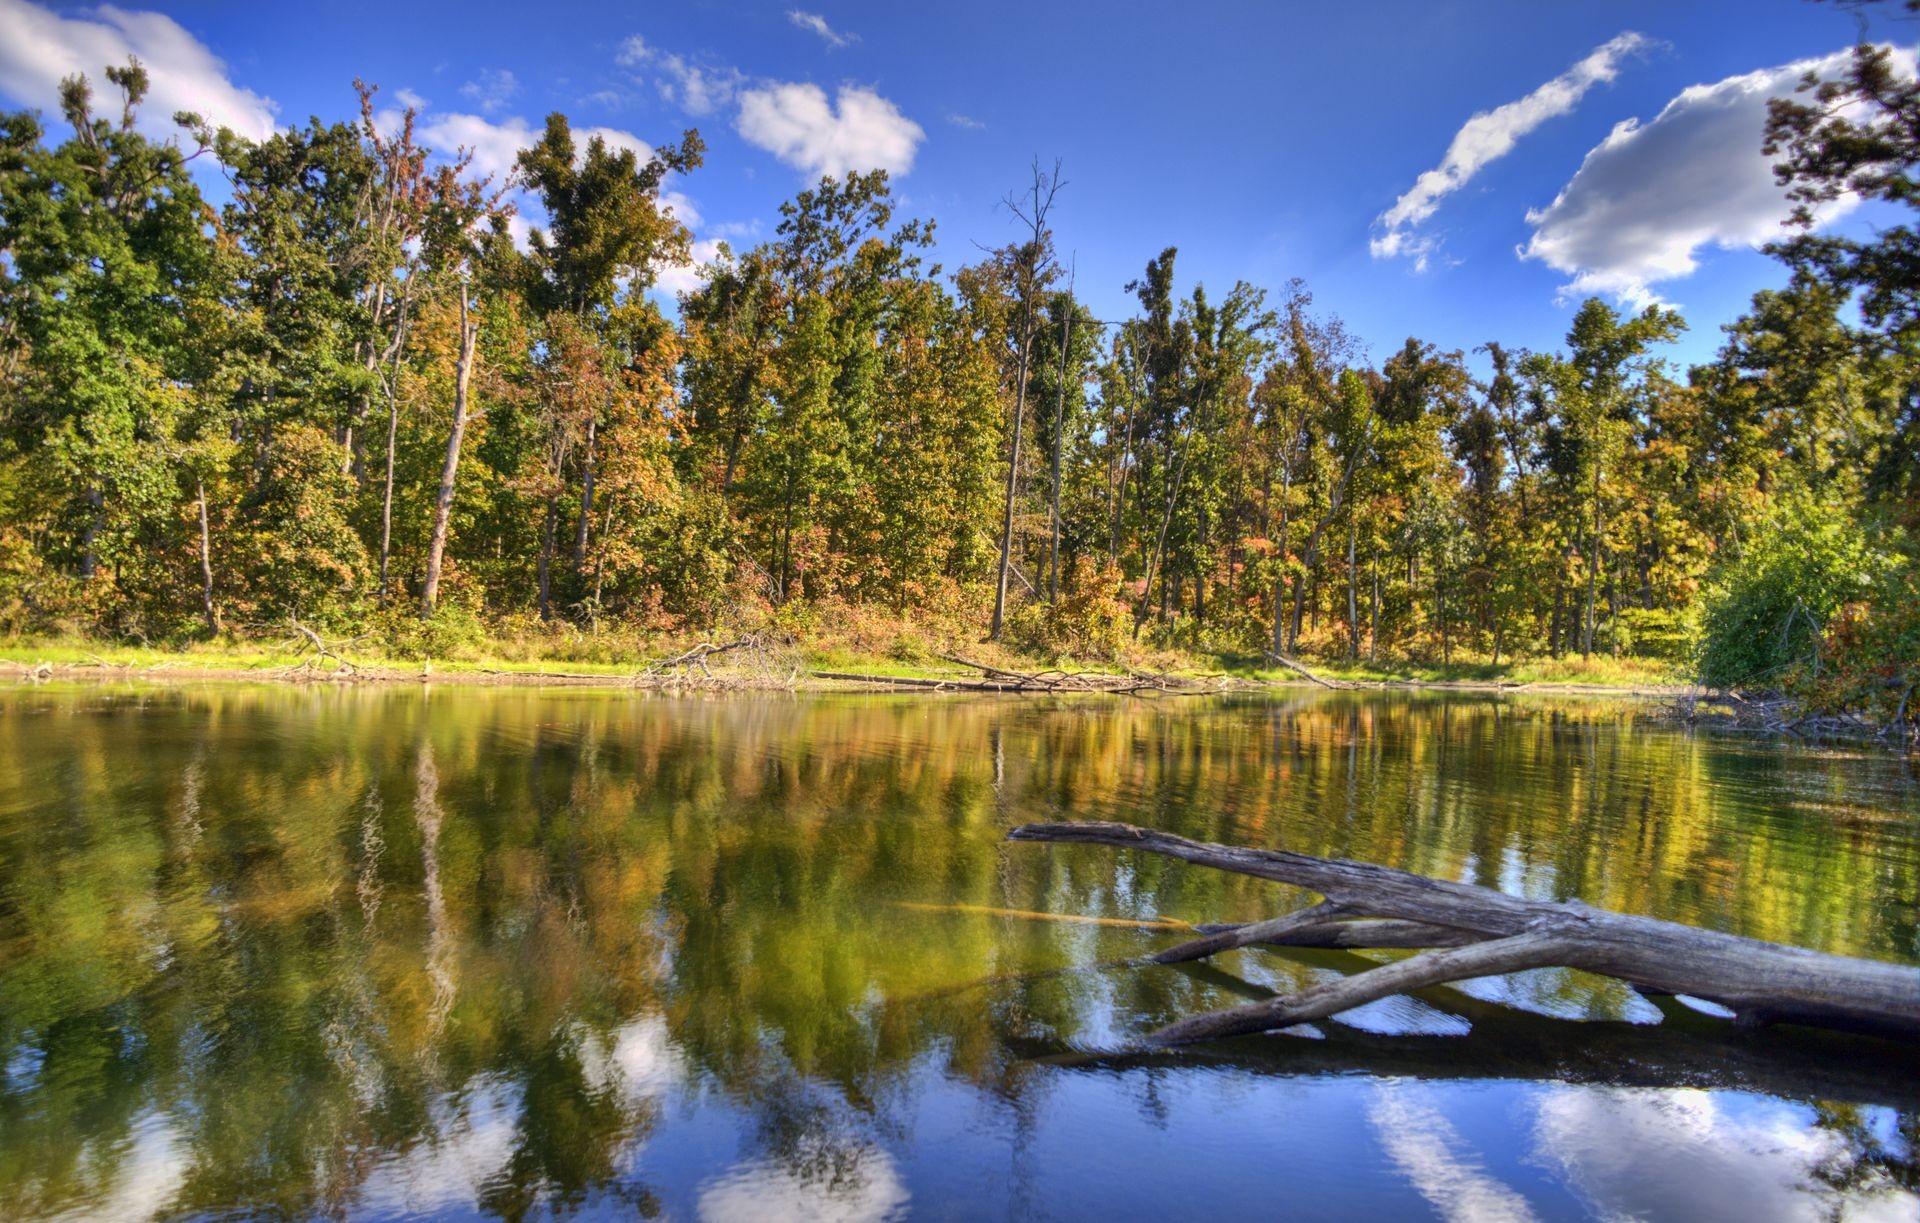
point(1766, 608)
point(1089, 620)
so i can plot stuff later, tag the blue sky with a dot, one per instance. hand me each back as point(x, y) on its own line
point(1266, 141)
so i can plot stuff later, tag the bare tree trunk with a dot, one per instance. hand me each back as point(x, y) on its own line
point(1160, 541)
point(545, 567)
point(1120, 493)
point(586, 507)
point(1059, 417)
point(1280, 641)
point(443, 500)
point(386, 496)
point(1353, 602)
point(89, 556)
point(207, 607)
point(1556, 631)
point(1043, 190)
point(1593, 566)
point(1013, 476)
point(1481, 932)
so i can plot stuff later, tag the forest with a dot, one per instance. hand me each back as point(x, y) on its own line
point(343, 394)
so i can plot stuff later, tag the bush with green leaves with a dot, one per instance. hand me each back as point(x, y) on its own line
point(1767, 606)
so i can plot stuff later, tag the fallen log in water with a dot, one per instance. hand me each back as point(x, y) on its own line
point(1471, 931)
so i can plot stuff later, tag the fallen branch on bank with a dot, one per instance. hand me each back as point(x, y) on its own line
point(1291, 665)
point(759, 660)
point(1470, 931)
point(1127, 683)
point(1778, 714)
point(312, 653)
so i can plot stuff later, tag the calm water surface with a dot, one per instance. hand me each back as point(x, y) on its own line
point(370, 953)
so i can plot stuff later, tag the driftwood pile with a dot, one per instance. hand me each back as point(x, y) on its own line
point(1775, 714)
point(1463, 931)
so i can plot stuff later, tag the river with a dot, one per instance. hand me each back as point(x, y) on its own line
point(380, 952)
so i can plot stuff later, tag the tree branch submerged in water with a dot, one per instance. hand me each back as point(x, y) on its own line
point(1471, 931)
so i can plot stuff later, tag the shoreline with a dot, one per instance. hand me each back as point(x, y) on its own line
point(808, 680)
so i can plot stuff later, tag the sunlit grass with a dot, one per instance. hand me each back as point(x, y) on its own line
point(617, 655)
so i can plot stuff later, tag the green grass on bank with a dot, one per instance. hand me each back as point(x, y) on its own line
point(1600, 671)
point(617, 657)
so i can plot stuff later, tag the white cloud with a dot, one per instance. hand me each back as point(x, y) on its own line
point(38, 48)
point(696, 88)
point(818, 25)
point(409, 99)
point(965, 122)
point(677, 278)
point(1487, 137)
point(615, 139)
point(492, 91)
point(1650, 196)
point(1683, 1154)
point(865, 1186)
point(1435, 1159)
point(494, 145)
point(797, 124)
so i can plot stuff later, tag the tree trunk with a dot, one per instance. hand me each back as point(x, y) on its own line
point(89, 556)
point(1059, 418)
point(1373, 617)
point(443, 500)
point(584, 529)
point(1013, 477)
point(1481, 932)
point(386, 495)
point(1353, 601)
point(1593, 566)
point(545, 568)
point(207, 608)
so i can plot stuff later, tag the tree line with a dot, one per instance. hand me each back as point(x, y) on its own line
point(346, 394)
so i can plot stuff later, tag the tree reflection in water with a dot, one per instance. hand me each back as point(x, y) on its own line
point(379, 952)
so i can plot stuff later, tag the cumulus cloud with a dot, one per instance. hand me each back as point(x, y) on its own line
point(1650, 196)
point(860, 130)
point(1487, 137)
point(698, 89)
point(1643, 1154)
point(494, 144)
point(818, 25)
point(688, 277)
point(491, 92)
point(39, 47)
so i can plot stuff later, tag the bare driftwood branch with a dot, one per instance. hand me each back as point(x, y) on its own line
point(1130, 683)
point(1291, 665)
point(760, 660)
point(313, 652)
point(1479, 932)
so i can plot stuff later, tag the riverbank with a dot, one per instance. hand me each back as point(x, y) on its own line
point(756, 663)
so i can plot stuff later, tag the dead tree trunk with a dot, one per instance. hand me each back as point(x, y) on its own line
point(1031, 269)
point(1477, 932)
point(207, 607)
point(443, 500)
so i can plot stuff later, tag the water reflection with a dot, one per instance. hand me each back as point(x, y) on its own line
point(386, 953)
